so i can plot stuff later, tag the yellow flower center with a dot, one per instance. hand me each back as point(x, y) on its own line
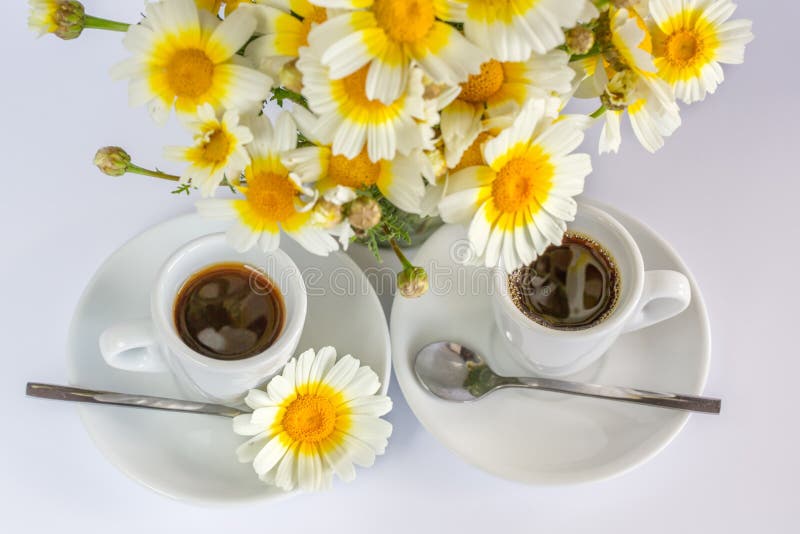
point(405, 21)
point(473, 155)
point(271, 196)
point(355, 86)
point(190, 73)
point(217, 148)
point(520, 180)
point(310, 419)
point(683, 47)
point(356, 172)
point(318, 15)
point(480, 87)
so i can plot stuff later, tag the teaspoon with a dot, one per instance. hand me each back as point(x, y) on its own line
point(456, 373)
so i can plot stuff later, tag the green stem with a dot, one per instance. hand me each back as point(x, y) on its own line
point(104, 24)
point(135, 169)
point(399, 253)
point(598, 112)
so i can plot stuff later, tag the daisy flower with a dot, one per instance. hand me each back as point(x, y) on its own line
point(501, 88)
point(185, 57)
point(350, 120)
point(318, 418)
point(218, 150)
point(272, 201)
point(690, 40)
point(629, 84)
point(387, 36)
point(511, 29)
point(338, 177)
point(517, 204)
point(283, 28)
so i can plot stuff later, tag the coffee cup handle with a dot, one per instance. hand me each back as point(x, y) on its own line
point(132, 346)
point(665, 295)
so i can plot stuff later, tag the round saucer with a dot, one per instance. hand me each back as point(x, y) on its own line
point(192, 457)
point(542, 437)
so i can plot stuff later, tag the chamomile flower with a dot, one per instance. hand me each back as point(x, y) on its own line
point(338, 177)
point(272, 201)
point(185, 57)
point(511, 29)
point(350, 120)
point(387, 36)
point(627, 83)
point(218, 150)
point(318, 418)
point(519, 201)
point(690, 40)
point(283, 28)
point(502, 88)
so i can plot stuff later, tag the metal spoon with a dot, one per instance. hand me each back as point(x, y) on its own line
point(67, 393)
point(456, 373)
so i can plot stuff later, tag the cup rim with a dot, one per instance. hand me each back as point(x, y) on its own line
point(165, 325)
point(619, 316)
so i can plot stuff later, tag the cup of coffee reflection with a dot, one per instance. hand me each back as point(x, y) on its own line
point(222, 322)
point(560, 314)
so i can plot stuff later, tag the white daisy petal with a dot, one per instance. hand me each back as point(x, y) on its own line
point(243, 425)
point(286, 474)
point(247, 451)
point(364, 383)
point(257, 398)
point(264, 417)
point(374, 405)
point(279, 389)
point(269, 455)
point(342, 373)
point(309, 472)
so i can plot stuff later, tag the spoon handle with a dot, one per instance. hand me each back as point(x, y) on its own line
point(639, 396)
point(67, 393)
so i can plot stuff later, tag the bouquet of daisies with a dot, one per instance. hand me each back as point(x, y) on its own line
point(399, 111)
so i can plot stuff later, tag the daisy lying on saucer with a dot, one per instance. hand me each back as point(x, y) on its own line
point(319, 417)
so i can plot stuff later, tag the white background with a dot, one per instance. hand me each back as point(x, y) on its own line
point(723, 191)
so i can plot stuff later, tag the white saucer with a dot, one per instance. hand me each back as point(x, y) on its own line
point(541, 437)
point(191, 457)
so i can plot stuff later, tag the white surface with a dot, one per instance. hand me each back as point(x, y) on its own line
point(723, 191)
point(541, 437)
point(189, 457)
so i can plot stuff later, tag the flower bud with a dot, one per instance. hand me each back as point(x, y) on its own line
point(290, 77)
point(579, 40)
point(112, 160)
point(70, 18)
point(365, 213)
point(618, 91)
point(326, 214)
point(412, 282)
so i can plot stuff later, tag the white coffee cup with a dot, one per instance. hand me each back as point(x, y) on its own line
point(645, 298)
point(153, 345)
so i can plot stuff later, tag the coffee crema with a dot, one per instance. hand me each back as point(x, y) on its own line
point(229, 311)
point(571, 286)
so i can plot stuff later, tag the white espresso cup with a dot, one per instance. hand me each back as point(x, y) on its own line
point(645, 298)
point(153, 345)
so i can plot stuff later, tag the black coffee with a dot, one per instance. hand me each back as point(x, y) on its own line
point(571, 286)
point(229, 311)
